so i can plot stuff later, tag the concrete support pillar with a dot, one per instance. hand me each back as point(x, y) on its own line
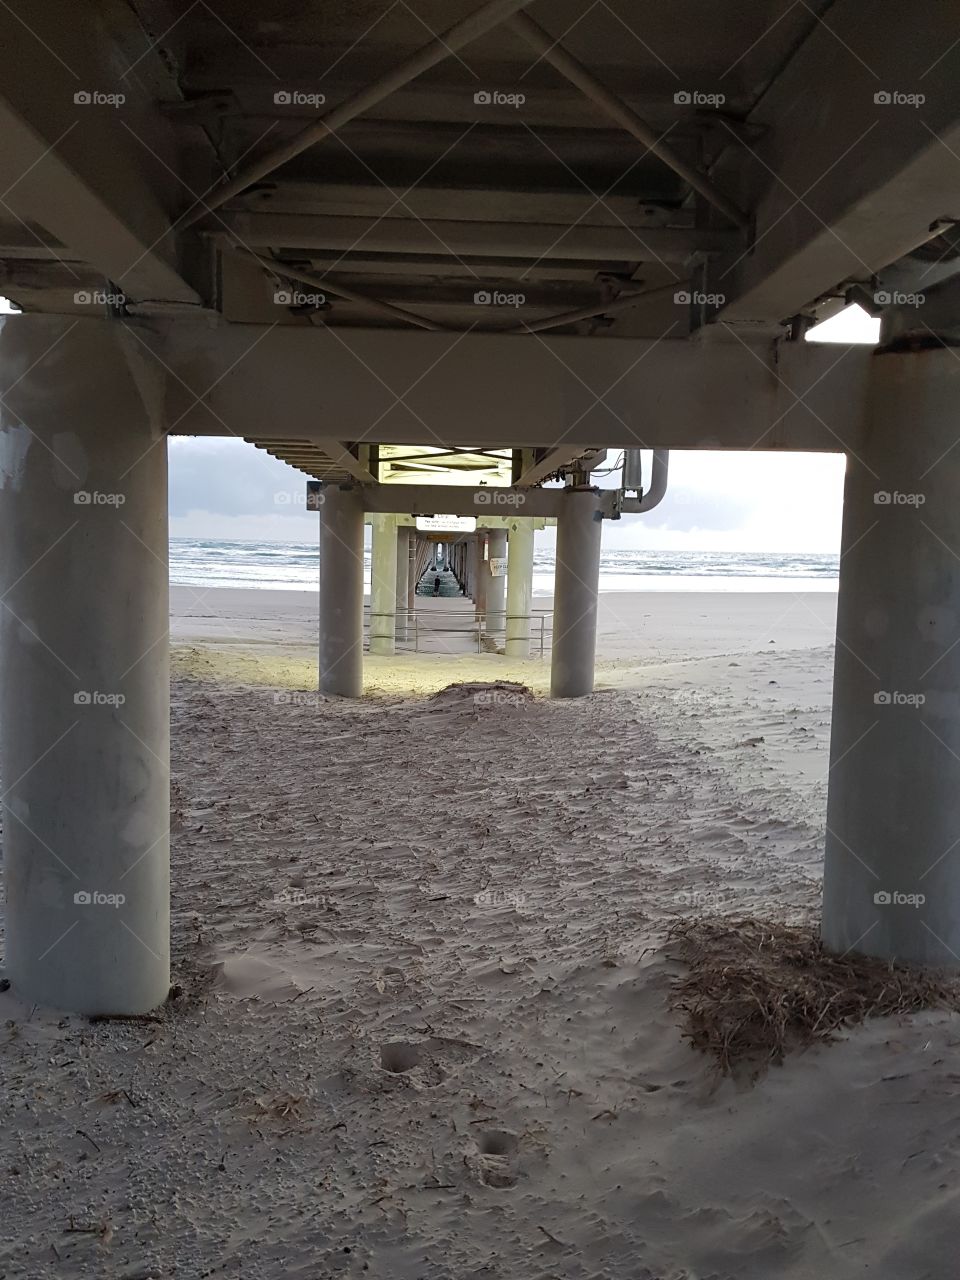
point(483, 577)
point(471, 577)
point(403, 578)
point(383, 585)
point(892, 866)
point(84, 685)
point(411, 599)
point(519, 587)
point(496, 586)
point(341, 592)
point(577, 579)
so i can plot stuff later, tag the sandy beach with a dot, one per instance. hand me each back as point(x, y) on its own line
point(422, 1027)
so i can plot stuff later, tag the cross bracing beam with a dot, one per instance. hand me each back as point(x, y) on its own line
point(552, 51)
point(456, 37)
point(852, 170)
point(89, 177)
point(462, 238)
point(461, 500)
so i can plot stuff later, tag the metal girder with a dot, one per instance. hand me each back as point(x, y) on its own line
point(442, 46)
point(341, 456)
point(843, 184)
point(552, 51)
point(460, 204)
point(453, 389)
point(476, 239)
point(462, 500)
point(552, 461)
point(338, 290)
point(72, 167)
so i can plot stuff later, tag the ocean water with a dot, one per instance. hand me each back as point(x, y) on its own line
point(292, 566)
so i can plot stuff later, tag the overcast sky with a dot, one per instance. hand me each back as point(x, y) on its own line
point(224, 488)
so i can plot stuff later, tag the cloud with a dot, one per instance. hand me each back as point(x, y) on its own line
point(217, 477)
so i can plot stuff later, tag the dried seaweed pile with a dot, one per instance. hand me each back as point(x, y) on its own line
point(756, 989)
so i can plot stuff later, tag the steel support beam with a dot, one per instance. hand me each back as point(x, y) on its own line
point(552, 51)
point(456, 37)
point(461, 500)
point(72, 168)
point(551, 461)
point(340, 456)
point(842, 200)
point(459, 239)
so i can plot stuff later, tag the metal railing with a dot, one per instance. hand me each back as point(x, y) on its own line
point(414, 627)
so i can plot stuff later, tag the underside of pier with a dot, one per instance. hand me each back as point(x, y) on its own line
point(438, 261)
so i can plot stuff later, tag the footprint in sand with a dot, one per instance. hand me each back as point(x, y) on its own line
point(496, 1156)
